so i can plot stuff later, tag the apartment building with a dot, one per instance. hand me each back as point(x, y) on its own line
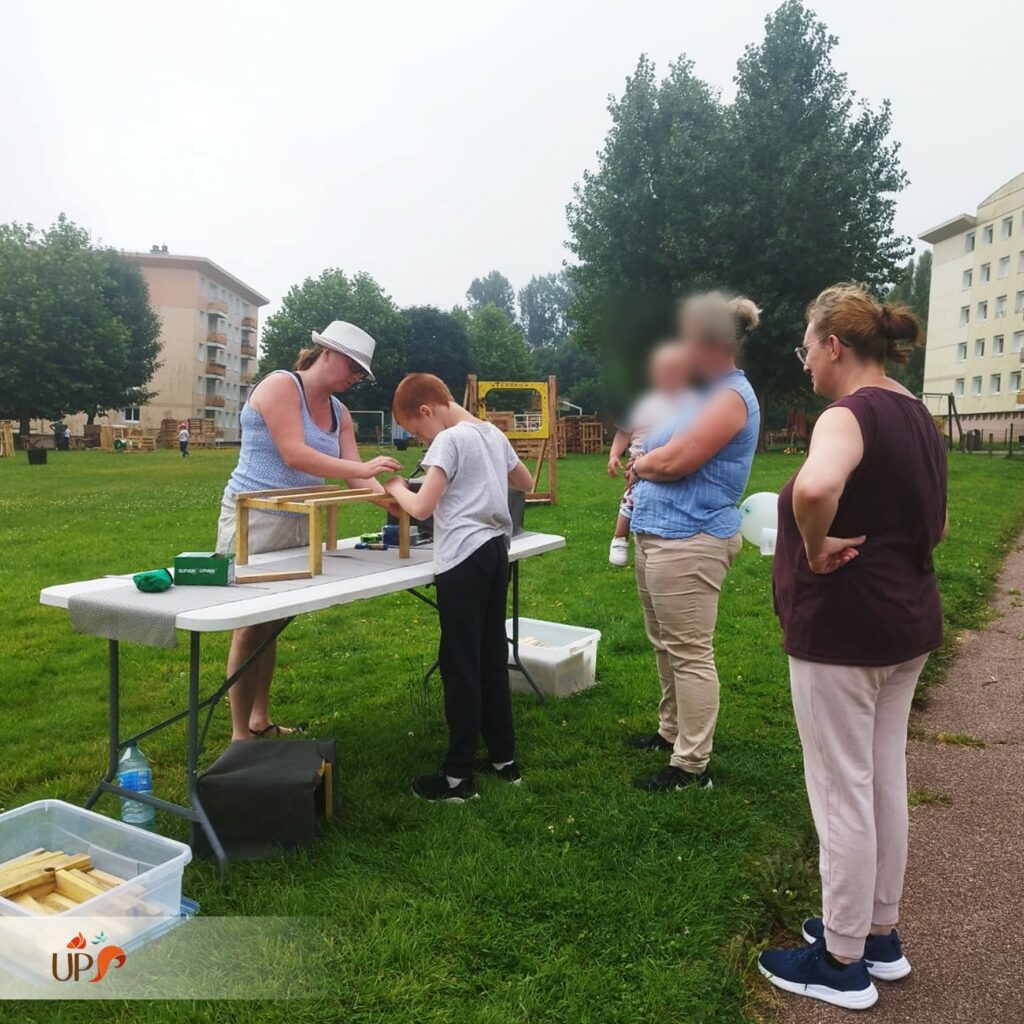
point(976, 311)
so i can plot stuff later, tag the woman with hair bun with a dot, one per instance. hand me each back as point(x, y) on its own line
point(686, 529)
point(855, 592)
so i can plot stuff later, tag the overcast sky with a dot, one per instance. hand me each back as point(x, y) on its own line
point(429, 142)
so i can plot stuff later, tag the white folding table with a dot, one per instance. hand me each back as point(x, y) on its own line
point(218, 616)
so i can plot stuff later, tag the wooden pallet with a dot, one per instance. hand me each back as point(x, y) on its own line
point(6, 441)
point(318, 504)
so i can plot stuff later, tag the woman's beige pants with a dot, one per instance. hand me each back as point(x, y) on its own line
point(679, 583)
point(853, 729)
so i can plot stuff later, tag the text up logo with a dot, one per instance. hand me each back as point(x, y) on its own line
point(77, 963)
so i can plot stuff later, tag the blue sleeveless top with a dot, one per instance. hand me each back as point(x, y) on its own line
point(705, 501)
point(260, 466)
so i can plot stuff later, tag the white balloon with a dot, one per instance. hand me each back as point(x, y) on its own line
point(758, 512)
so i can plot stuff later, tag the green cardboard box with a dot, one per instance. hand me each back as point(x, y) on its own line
point(204, 569)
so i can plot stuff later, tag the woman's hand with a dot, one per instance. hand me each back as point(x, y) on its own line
point(631, 475)
point(381, 464)
point(613, 468)
point(834, 554)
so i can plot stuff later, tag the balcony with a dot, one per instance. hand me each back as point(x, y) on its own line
point(214, 401)
point(216, 338)
point(1020, 397)
point(248, 349)
point(215, 369)
point(214, 306)
point(248, 323)
point(246, 377)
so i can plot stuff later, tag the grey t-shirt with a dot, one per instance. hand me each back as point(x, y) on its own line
point(477, 459)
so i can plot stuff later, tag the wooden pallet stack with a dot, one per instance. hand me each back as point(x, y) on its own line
point(51, 881)
point(584, 435)
point(203, 433)
point(6, 441)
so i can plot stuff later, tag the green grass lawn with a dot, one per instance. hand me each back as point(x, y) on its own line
point(573, 898)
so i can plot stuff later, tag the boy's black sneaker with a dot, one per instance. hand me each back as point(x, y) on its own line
point(655, 741)
point(435, 787)
point(510, 773)
point(672, 779)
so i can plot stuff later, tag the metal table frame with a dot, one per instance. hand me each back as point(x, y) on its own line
point(195, 811)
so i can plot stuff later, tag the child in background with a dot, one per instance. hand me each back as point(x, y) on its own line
point(183, 439)
point(470, 467)
point(669, 377)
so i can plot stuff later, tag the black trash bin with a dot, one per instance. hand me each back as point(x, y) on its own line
point(401, 444)
point(37, 456)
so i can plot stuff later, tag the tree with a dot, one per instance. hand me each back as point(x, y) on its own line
point(77, 333)
point(544, 309)
point(816, 175)
point(787, 190)
point(496, 347)
point(568, 361)
point(493, 290)
point(312, 305)
point(914, 289)
point(438, 344)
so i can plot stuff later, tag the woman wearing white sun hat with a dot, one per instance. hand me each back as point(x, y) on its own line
point(294, 434)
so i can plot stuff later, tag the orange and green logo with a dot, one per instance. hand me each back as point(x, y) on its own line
point(78, 962)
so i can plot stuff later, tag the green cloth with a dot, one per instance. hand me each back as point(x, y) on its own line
point(154, 581)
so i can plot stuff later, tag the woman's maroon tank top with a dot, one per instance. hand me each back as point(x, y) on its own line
point(882, 608)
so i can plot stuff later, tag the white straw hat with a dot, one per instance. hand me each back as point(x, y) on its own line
point(350, 341)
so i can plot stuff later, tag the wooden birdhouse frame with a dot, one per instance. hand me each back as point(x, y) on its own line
point(319, 505)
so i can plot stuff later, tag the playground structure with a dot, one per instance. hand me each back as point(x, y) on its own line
point(533, 431)
point(319, 505)
point(942, 406)
point(6, 441)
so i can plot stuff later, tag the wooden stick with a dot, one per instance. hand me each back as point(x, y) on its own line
point(316, 551)
point(10, 889)
point(274, 577)
point(288, 490)
point(110, 881)
point(14, 861)
point(58, 902)
point(29, 904)
point(403, 534)
point(75, 889)
point(241, 533)
point(332, 527)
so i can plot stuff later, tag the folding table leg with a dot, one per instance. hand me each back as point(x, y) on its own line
point(114, 717)
point(192, 768)
point(515, 634)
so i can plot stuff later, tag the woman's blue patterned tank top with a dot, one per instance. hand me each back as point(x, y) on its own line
point(260, 466)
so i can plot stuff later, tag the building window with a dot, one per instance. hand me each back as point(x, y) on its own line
point(1018, 343)
point(982, 310)
point(966, 283)
point(995, 383)
point(1000, 306)
point(958, 387)
point(1004, 268)
point(969, 242)
point(1007, 228)
point(987, 234)
point(997, 345)
point(961, 352)
point(979, 348)
point(985, 273)
point(1020, 262)
point(1014, 383)
point(975, 385)
point(965, 315)
point(131, 414)
point(1018, 303)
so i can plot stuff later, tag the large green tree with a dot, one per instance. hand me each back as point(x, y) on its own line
point(438, 344)
point(360, 300)
point(494, 289)
point(77, 333)
point(496, 347)
point(544, 309)
point(786, 190)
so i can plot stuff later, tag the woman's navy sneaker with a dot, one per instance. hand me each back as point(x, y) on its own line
point(807, 972)
point(671, 779)
point(510, 773)
point(882, 953)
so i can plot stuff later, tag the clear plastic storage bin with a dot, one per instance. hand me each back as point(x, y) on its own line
point(151, 865)
point(562, 659)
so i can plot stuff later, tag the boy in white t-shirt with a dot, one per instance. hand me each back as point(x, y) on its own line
point(183, 439)
point(470, 467)
point(669, 377)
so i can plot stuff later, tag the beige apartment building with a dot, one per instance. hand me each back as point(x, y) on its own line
point(208, 342)
point(976, 312)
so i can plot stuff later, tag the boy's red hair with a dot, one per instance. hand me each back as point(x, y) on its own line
point(418, 389)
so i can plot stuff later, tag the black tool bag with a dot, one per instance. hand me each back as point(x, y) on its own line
point(263, 796)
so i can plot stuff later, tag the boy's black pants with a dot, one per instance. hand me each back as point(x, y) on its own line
point(471, 600)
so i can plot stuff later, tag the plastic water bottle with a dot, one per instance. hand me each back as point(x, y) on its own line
point(134, 773)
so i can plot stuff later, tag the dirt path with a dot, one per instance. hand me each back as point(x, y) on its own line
point(963, 910)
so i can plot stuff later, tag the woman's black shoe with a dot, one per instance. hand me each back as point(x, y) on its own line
point(672, 778)
point(510, 773)
point(435, 787)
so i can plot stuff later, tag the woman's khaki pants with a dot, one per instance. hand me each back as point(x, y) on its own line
point(679, 583)
point(853, 729)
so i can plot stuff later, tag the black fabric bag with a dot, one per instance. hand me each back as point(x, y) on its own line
point(263, 796)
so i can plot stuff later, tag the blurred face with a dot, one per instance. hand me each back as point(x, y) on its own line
point(669, 369)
